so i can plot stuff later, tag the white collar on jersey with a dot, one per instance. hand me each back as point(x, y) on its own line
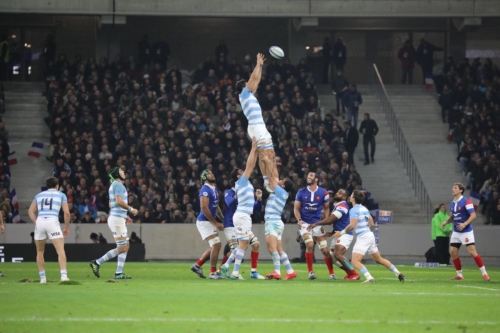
point(211, 186)
point(461, 197)
point(312, 192)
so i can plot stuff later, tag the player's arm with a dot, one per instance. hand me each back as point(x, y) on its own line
point(122, 204)
point(257, 206)
point(230, 197)
point(32, 212)
point(371, 223)
point(352, 224)
point(472, 217)
point(297, 205)
point(253, 82)
point(252, 159)
point(326, 210)
point(219, 213)
point(336, 215)
point(67, 217)
point(448, 221)
point(204, 203)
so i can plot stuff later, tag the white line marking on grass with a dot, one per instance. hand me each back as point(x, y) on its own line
point(254, 320)
point(482, 288)
point(443, 294)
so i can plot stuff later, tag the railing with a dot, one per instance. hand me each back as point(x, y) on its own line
point(403, 149)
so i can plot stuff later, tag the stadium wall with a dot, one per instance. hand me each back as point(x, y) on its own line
point(183, 242)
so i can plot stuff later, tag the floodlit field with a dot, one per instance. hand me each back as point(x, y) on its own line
point(168, 297)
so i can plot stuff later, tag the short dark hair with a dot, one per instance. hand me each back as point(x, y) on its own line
point(240, 85)
point(460, 186)
point(234, 175)
point(288, 184)
point(358, 196)
point(51, 182)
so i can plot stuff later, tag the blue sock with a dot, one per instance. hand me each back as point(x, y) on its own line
point(392, 268)
point(121, 262)
point(109, 255)
point(276, 261)
point(237, 261)
point(363, 270)
point(231, 258)
point(265, 180)
point(348, 264)
point(64, 272)
point(286, 263)
point(42, 274)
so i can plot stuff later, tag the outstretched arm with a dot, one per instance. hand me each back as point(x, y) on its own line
point(253, 82)
point(252, 159)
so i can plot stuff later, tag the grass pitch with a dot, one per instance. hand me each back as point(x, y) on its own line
point(168, 297)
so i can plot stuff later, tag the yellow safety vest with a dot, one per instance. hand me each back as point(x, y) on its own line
point(6, 57)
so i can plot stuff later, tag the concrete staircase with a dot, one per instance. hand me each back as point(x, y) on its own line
point(25, 110)
point(386, 179)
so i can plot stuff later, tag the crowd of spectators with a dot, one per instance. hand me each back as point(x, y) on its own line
point(164, 126)
point(4, 147)
point(469, 96)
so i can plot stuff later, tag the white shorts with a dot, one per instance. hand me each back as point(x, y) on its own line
point(118, 226)
point(315, 232)
point(275, 229)
point(243, 224)
point(230, 233)
point(264, 138)
point(206, 229)
point(365, 244)
point(48, 227)
point(344, 240)
point(462, 237)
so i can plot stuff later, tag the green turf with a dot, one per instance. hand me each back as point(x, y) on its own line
point(168, 297)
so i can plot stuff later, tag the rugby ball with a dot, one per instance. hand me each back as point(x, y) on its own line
point(276, 52)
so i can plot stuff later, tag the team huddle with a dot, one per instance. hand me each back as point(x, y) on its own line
point(311, 209)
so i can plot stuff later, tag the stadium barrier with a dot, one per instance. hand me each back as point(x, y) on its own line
point(183, 242)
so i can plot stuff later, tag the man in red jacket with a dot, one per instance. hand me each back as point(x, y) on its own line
point(407, 55)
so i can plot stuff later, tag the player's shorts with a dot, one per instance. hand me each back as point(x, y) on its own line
point(275, 229)
point(230, 233)
point(462, 237)
point(365, 244)
point(264, 138)
point(206, 229)
point(48, 227)
point(315, 232)
point(243, 224)
point(118, 226)
point(344, 240)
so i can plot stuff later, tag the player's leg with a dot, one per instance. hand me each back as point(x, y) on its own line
point(228, 259)
point(40, 260)
point(290, 273)
point(471, 248)
point(113, 224)
point(123, 246)
point(243, 226)
point(343, 262)
point(358, 252)
point(254, 257)
point(309, 242)
point(272, 246)
point(387, 264)
point(215, 245)
point(323, 247)
point(196, 268)
point(455, 243)
point(61, 255)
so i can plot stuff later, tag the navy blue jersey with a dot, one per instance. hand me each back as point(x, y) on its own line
point(461, 210)
point(231, 205)
point(213, 197)
point(311, 204)
point(342, 223)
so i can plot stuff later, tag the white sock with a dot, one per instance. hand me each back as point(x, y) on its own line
point(483, 270)
point(459, 273)
point(367, 274)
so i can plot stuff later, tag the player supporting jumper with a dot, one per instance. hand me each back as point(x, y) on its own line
point(339, 246)
point(231, 204)
point(207, 225)
point(117, 222)
point(274, 225)
point(253, 112)
point(49, 203)
point(312, 204)
point(243, 216)
point(462, 215)
point(361, 222)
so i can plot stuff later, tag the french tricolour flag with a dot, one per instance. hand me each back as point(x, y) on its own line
point(475, 198)
point(16, 218)
point(12, 158)
point(13, 199)
point(36, 149)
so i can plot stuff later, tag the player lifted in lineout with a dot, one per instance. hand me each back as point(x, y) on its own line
point(462, 215)
point(312, 205)
point(208, 226)
point(243, 216)
point(117, 222)
point(253, 113)
point(273, 224)
point(49, 203)
point(339, 246)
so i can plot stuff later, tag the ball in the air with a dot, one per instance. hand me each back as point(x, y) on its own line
point(276, 52)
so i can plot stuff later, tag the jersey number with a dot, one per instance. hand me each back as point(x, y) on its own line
point(47, 203)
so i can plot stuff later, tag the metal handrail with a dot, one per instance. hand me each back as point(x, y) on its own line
point(403, 148)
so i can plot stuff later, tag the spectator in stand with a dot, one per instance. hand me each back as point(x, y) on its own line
point(340, 87)
point(353, 101)
point(407, 55)
point(161, 53)
point(327, 54)
point(369, 129)
point(425, 57)
point(440, 235)
point(339, 54)
point(144, 51)
point(446, 101)
point(351, 138)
